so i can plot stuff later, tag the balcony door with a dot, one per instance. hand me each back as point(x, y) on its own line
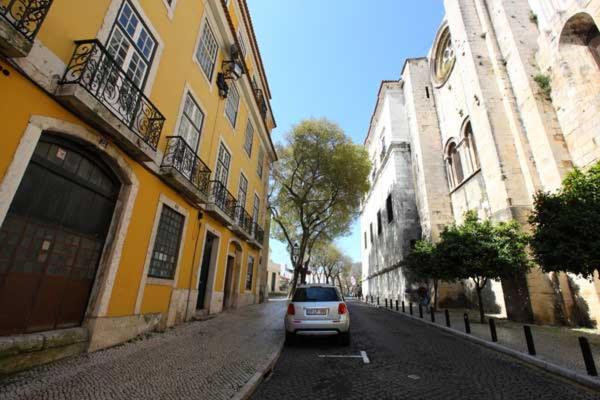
point(53, 236)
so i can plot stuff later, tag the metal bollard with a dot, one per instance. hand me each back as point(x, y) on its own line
point(377, 300)
point(529, 340)
point(467, 323)
point(420, 310)
point(588, 359)
point(403, 306)
point(396, 305)
point(410, 307)
point(431, 310)
point(385, 303)
point(492, 322)
point(447, 314)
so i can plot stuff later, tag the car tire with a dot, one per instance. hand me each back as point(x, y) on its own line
point(345, 338)
point(290, 339)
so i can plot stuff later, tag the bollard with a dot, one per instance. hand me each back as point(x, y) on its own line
point(420, 310)
point(377, 300)
point(467, 324)
point(588, 359)
point(403, 307)
point(385, 303)
point(432, 311)
point(396, 305)
point(447, 314)
point(493, 329)
point(410, 306)
point(529, 340)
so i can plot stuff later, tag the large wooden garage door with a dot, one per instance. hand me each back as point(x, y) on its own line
point(52, 238)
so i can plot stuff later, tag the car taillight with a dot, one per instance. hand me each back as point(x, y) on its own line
point(342, 308)
point(291, 309)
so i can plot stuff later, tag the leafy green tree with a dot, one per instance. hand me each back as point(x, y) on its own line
point(316, 188)
point(566, 225)
point(481, 250)
point(423, 265)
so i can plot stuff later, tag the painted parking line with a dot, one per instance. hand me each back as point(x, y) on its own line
point(362, 355)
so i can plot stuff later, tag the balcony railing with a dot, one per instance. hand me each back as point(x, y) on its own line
point(262, 104)
point(259, 234)
point(180, 157)
point(95, 69)
point(223, 199)
point(26, 16)
point(243, 220)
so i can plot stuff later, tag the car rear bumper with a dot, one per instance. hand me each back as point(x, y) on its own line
point(316, 327)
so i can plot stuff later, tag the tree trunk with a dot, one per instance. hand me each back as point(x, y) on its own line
point(480, 300)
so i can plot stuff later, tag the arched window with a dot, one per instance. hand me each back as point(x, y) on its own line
point(469, 148)
point(581, 30)
point(454, 165)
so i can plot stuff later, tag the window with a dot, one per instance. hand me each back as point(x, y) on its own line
point(379, 227)
point(131, 44)
point(190, 125)
point(454, 165)
point(365, 239)
point(223, 161)
point(315, 294)
point(206, 53)
point(260, 162)
point(255, 209)
point(249, 273)
point(371, 231)
point(242, 191)
point(233, 102)
point(390, 208)
point(249, 138)
point(166, 244)
point(240, 37)
point(470, 149)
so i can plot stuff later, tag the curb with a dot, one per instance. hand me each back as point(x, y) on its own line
point(248, 389)
point(563, 372)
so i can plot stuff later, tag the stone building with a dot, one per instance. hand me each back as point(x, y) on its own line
point(505, 105)
point(134, 157)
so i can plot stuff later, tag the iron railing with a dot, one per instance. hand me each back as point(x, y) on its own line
point(262, 104)
point(223, 199)
point(181, 157)
point(26, 16)
point(259, 233)
point(95, 69)
point(243, 219)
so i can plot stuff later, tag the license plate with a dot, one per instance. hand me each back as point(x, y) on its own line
point(316, 311)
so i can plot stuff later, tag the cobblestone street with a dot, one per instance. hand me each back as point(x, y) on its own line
point(211, 359)
point(407, 361)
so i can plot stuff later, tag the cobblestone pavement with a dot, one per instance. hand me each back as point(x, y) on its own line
point(409, 360)
point(211, 359)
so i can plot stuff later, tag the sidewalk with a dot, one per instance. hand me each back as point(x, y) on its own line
point(210, 359)
point(558, 345)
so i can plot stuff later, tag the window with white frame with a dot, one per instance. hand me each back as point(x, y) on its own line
point(233, 103)
point(190, 124)
point(260, 162)
point(207, 50)
point(255, 209)
point(250, 273)
point(249, 138)
point(242, 191)
point(223, 161)
point(166, 244)
point(240, 37)
point(131, 44)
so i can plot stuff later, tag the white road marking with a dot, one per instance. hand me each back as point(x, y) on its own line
point(366, 360)
point(363, 355)
point(415, 377)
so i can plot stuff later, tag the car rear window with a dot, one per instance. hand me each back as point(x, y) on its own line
point(315, 294)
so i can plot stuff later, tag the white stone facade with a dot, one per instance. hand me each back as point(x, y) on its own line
point(484, 133)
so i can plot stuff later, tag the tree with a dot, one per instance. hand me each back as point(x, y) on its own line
point(317, 186)
point(481, 250)
point(566, 225)
point(423, 265)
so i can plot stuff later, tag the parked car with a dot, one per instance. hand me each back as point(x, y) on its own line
point(317, 310)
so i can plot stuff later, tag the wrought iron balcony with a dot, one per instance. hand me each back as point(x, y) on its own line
point(262, 104)
point(182, 167)
point(222, 203)
point(243, 222)
point(20, 21)
point(259, 235)
point(95, 85)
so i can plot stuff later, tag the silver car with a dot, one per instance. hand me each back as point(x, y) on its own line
point(317, 310)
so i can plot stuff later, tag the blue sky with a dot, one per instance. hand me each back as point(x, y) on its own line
point(326, 58)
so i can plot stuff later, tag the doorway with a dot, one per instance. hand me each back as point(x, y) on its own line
point(204, 270)
point(53, 236)
point(228, 290)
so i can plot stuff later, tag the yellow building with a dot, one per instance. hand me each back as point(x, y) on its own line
point(134, 156)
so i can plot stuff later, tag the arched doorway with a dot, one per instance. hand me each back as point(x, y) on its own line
point(232, 275)
point(52, 237)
